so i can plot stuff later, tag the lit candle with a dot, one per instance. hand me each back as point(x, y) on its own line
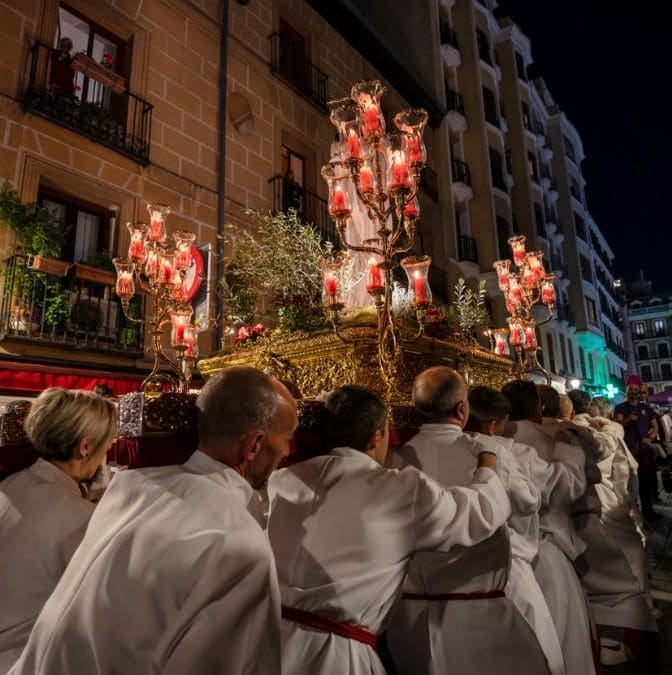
point(374, 280)
point(503, 279)
point(519, 253)
point(501, 347)
point(371, 121)
point(331, 284)
point(515, 335)
point(183, 258)
point(179, 334)
point(352, 145)
point(136, 250)
point(530, 338)
point(413, 151)
point(166, 275)
point(399, 173)
point(419, 288)
point(548, 293)
point(156, 229)
point(189, 342)
point(529, 277)
point(365, 179)
point(338, 205)
point(152, 264)
point(125, 284)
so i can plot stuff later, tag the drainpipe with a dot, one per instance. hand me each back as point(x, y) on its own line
point(221, 187)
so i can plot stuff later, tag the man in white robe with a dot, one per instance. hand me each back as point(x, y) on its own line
point(614, 561)
point(343, 530)
point(175, 574)
point(449, 599)
point(559, 543)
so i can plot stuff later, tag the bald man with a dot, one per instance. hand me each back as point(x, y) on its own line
point(175, 574)
point(431, 630)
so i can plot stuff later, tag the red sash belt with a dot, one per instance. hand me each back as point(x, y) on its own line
point(346, 630)
point(487, 595)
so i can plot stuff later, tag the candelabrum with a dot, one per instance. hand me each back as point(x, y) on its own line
point(526, 286)
point(381, 171)
point(159, 269)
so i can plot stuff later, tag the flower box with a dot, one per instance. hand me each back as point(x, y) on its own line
point(95, 275)
point(40, 263)
point(98, 72)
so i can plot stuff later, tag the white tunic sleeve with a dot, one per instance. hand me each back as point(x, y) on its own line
point(457, 515)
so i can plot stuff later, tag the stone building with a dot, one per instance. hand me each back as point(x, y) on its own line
point(128, 113)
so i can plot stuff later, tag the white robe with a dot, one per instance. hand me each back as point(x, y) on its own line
point(343, 530)
point(561, 485)
point(43, 518)
point(435, 636)
point(174, 576)
point(614, 561)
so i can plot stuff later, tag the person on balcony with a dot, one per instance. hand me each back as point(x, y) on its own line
point(175, 574)
point(292, 193)
point(62, 76)
point(343, 530)
point(43, 515)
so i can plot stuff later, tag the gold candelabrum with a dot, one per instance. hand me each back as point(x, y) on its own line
point(381, 171)
point(528, 287)
point(159, 269)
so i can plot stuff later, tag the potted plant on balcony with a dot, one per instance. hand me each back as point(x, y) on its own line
point(40, 238)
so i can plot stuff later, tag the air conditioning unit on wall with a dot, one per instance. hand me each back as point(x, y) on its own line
point(95, 316)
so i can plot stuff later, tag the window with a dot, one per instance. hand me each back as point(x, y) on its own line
point(503, 234)
point(663, 350)
point(574, 188)
point(570, 349)
point(659, 327)
point(586, 269)
point(490, 107)
point(563, 352)
point(580, 226)
point(642, 352)
point(520, 67)
point(665, 371)
point(646, 373)
point(582, 361)
point(640, 330)
point(527, 123)
point(591, 311)
point(90, 224)
point(532, 167)
point(100, 45)
point(551, 352)
point(483, 47)
point(497, 170)
point(569, 148)
point(539, 220)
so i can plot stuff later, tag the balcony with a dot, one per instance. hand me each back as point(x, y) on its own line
point(461, 181)
point(449, 47)
point(55, 303)
point(467, 249)
point(457, 121)
point(107, 113)
point(312, 209)
point(289, 63)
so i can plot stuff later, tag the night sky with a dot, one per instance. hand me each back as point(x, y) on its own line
point(608, 70)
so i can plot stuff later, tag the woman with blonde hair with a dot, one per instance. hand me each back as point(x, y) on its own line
point(43, 515)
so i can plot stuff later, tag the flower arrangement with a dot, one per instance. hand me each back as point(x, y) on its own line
point(249, 333)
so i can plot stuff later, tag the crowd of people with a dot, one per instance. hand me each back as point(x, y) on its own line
point(504, 535)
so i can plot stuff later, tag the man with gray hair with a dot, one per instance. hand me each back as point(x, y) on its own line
point(175, 574)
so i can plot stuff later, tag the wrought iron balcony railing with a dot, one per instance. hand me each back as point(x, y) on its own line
point(461, 172)
point(454, 101)
point(311, 208)
point(290, 63)
point(50, 301)
point(467, 249)
point(448, 35)
point(429, 182)
point(103, 110)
